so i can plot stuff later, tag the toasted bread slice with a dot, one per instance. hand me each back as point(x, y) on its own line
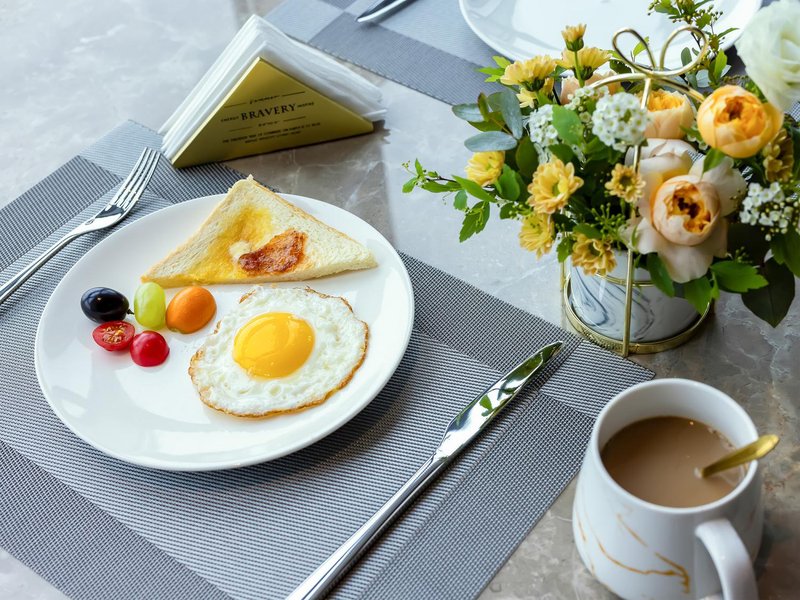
point(255, 236)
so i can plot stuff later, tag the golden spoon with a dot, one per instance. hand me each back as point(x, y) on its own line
point(753, 451)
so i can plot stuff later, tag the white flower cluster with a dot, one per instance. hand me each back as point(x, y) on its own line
point(579, 101)
point(619, 121)
point(540, 123)
point(769, 209)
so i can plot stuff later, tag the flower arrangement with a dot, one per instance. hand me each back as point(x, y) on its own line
point(711, 201)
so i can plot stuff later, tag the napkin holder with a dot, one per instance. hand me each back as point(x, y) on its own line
point(267, 110)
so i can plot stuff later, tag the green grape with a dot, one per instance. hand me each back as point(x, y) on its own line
point(150, 305)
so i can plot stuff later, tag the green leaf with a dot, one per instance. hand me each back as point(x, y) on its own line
point(508, 211)
point(509, 108)
point(686, 56)
point(473, 189)
point(460, 200)
point(698, 292)
point(418, 167)
point(659, 274)
point(474, 221)
point(712, 159)
point(772, 302)
point(737, 277)
point(562, 151)
point(501, 61)
point(409, 185)
point(527, 158)
point(720, 62)
point(568, 125)
point(786, 250)
point(639, 47)
point(506, 184)
point(588, 231)
point(438, 188)
point(483, 106)
point(564, 248)
point(468, 112)
point(749, 239)
point(489, 141)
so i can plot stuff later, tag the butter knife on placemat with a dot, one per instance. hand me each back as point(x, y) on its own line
point(464, 428)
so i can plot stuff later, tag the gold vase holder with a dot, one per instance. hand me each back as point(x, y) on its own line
point(655, 73)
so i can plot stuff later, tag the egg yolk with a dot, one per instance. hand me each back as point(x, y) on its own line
point(273, 345)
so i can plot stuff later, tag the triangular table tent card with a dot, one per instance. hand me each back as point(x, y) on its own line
point(268, 110)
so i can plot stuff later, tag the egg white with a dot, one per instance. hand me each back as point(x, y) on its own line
point(340, 343)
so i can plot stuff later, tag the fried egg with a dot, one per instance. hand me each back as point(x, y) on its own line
point(279, 350)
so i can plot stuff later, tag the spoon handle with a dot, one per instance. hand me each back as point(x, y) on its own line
point(753, 451)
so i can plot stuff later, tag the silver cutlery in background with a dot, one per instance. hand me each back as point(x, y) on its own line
point(465, 427)
point(117, 209)
point(380, 9)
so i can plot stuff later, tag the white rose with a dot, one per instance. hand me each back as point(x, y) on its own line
point(770, 49)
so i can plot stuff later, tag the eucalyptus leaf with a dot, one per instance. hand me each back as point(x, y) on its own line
point(468, 112)
point(659, 274)
point(509, 108)
point(489, 141)
point(772, 302)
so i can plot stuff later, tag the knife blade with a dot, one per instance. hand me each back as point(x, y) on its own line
point(379, 9)
point(464, 428)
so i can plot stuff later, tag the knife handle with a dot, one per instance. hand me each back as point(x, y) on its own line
point(319, 582)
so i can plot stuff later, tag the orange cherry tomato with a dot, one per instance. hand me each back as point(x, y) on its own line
point(190, 310)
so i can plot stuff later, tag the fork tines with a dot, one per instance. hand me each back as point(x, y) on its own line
point(134, 184)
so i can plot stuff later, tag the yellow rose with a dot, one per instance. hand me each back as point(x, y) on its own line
point(537, 233)
point(570, 84)
point(669, 112)
point(485, 167)
point(553, 183)
point(736, 122)
point(595, 257)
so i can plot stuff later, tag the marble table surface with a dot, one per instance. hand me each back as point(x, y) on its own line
point(73, 70)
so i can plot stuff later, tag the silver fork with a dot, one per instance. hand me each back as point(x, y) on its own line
point(117, 209)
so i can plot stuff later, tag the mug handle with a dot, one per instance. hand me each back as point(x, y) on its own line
point(730, 557)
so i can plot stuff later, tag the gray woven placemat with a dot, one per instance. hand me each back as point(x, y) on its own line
point(96, 527)
point(426, 46)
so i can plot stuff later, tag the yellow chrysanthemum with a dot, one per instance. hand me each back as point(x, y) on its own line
point(625, 183)
point(537, 233)
point(573, 33)
point(590, 60)
point(779, 157)
point(595, 257)
point(529, 73)
point(553, 184)
point(485, 167)
point(528, 98)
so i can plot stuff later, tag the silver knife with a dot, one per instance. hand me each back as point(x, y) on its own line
point(379, 9)
point(465, 427)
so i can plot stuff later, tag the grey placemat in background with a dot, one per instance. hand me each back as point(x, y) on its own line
point(96, 527)
point(426, 46)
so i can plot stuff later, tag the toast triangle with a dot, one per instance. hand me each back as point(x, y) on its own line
point(255, 236)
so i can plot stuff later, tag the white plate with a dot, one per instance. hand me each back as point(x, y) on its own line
point(153, 416)
point(521, 29)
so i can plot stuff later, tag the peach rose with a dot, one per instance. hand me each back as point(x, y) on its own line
point(682, 220)
point(736, 122)
point(570, 84)
point(669, 112)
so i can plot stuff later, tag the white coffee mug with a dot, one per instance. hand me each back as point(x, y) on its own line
point(638, 549)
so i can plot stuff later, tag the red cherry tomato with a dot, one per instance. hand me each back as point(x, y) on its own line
point(149, 349)
point(114, 335)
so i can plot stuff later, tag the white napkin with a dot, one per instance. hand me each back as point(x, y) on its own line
point(259, 38)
